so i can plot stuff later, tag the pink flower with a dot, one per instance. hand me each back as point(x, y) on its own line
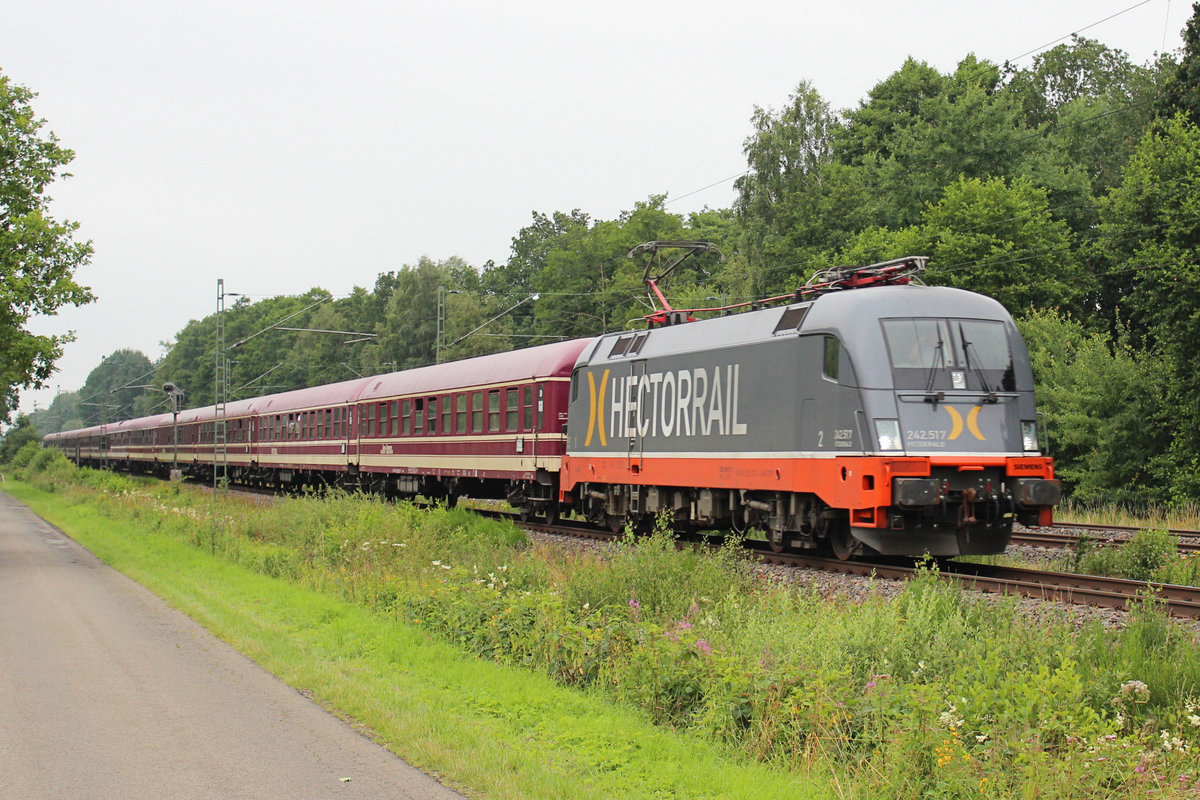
point(703, 647)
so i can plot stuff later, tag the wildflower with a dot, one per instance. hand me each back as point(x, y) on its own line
point(703, 647)
point(870, 685)
point(1194, 720)
point(950, 718)
point(437, 563)
point(981, 738)
point(633, 603)
point(1136, 691)
point(586, 606)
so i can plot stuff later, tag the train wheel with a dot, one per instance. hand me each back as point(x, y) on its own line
point(552, 512)
point(842, 543)
point(616, 522)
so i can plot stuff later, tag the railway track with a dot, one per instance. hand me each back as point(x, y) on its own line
point(1064, 534)
point(1061, 587)
point(1088, 590)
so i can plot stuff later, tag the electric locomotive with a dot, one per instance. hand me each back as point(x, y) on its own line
point(868, 414)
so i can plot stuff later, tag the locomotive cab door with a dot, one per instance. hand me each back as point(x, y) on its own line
point(634, 417)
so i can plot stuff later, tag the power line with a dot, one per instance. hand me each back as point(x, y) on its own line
point(1081, 30)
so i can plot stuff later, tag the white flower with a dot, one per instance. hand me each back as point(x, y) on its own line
point(981, 738)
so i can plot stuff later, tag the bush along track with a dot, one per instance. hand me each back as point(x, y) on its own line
point(932, 693)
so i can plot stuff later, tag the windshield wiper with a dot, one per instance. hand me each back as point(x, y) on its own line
point(967, 346)
point(939, 359)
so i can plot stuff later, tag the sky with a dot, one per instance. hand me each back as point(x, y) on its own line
point(286, 145)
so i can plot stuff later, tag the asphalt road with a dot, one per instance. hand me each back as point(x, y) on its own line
point(107, 693)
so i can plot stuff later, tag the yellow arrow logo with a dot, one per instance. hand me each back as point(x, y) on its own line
point(596, 412)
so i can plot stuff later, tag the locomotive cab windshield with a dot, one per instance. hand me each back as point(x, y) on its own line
point(948, 354)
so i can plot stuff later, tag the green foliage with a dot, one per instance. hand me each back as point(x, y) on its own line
point(17, 438)
point(38, 254)
point(22, 457)
point(1181, 94)
point(112, 390)
point(1105, 405)
point(1147, 556)
point(934, 693)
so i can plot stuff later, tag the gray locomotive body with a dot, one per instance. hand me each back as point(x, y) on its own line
point(900, 418)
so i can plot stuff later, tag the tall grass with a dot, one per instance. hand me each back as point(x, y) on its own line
point(934, 693)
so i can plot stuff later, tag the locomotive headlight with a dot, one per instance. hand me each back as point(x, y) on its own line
point(1029, 437)
point(887, 434)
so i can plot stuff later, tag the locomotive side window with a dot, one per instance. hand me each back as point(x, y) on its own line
point(791, 320)
point(528, 407)
point(833, 353)
point(620, 346)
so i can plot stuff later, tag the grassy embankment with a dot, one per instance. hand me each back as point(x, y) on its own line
point(533, 672)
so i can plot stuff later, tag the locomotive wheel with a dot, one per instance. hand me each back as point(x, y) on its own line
point(616, 522)
point(552, 512)
point(842, 543)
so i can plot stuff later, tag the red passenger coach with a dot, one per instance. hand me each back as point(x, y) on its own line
point(490, 427)
point(484, 427)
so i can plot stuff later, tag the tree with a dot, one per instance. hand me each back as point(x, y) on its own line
point(1182, 92)
point(782, 198)
point(1106, 408)
point(17, 437)
point(112, 388)
point(999, 239)
point(38, 255)
point(1149, 244)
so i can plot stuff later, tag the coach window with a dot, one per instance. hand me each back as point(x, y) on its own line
point(395, 413)
point(371, 429)
point(493, 410)
point(476, 412)
point(447, 414)
point(833, 352)
point(383, 420)
point(419, 416)
point(512, 410)
point(541, 401)
point(528, 404)
point(406, 417)
point(460, 413)
point(431, 415)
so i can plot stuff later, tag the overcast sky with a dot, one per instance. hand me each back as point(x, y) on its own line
point(286, 145)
